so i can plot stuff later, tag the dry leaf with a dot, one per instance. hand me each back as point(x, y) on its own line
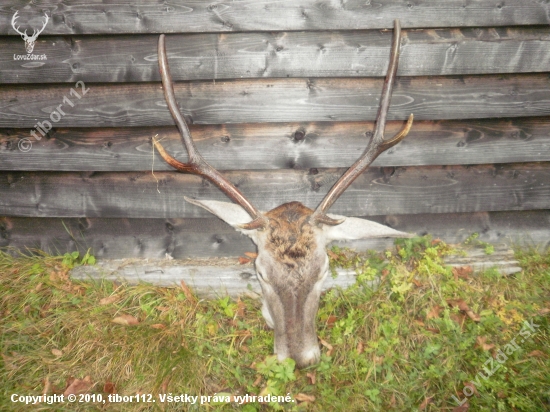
point(471, 385)
point(302, 397)
point(240, 308)
point(462, 272)
point(243, 260)
point(460, 304)
point(480, 343)
point(433, 330)
point(127, 320)
point(459, 318)
point(109, 387)
point(537, 354)
point(158, 326)
point(78, 386)
point(61, 275)
point(312, 377)
point(360, 347)
point(331, 320)
point(164, 386)
point(187, 292)
point(327, 345)
point(474, 316)
point(462, 408)
point(257, 381)
point(251, 255)
point(425, 403)
point(332, 255)
point(44, 310)
point(57, 352)
point(8, 362)
point(244, 335)
point(47, 386)
point(435, 312)
point(108, 300)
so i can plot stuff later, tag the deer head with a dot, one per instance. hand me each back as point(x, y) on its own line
point(29, 41)
point(292, 262)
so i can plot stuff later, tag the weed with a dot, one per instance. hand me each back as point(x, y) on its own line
point(73, 259)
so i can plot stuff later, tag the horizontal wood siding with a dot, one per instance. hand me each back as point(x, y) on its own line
point(210, 237)
point(278, 100)
point(282, 96)
point(437, 189)
point(281, 145)
point(428, 52)
point(128, 16)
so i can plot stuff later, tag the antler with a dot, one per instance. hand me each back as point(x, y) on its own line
point(35, 34)
point(197, 165)
point(15, 17)
point(377, 144)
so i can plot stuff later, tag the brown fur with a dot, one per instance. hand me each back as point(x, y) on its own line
point(290, 236)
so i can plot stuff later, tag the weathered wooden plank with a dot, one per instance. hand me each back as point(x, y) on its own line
point(207, 238)
point(206, 280)
point(432, 52)
point(277, 145)
point(277, 100)
point(478, 259)
point(447, 189)
point(212, 278)
point(126, 16)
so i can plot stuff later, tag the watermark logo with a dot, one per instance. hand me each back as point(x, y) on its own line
point(501, 356)
point(45, 126)
point(29, 40)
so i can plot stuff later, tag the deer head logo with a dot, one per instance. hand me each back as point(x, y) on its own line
point(29, 41)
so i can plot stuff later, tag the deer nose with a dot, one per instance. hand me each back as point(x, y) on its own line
point(308, 357)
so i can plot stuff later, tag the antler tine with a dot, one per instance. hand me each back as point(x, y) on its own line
point(15, 17)
point(377, 144)
point(35, 32)
point(197, 165)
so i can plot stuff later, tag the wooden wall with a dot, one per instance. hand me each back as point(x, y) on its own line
point(281, 95)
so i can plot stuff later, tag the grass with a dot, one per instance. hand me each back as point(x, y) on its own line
point(417, 342)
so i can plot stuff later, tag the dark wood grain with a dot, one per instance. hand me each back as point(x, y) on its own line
point(409, 190)
point(281, 145)
point(126, 16)
point(430, 52)
point(184, 238)
point(279, 100)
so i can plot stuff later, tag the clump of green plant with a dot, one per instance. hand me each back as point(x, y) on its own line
point(474, 240)
point(417, 340)
point(73, 259)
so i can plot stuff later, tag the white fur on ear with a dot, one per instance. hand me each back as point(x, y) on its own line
point(231, 213)
point(354, 228)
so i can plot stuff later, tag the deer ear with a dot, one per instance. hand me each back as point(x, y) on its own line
point(354, 228)
point(231, 213)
